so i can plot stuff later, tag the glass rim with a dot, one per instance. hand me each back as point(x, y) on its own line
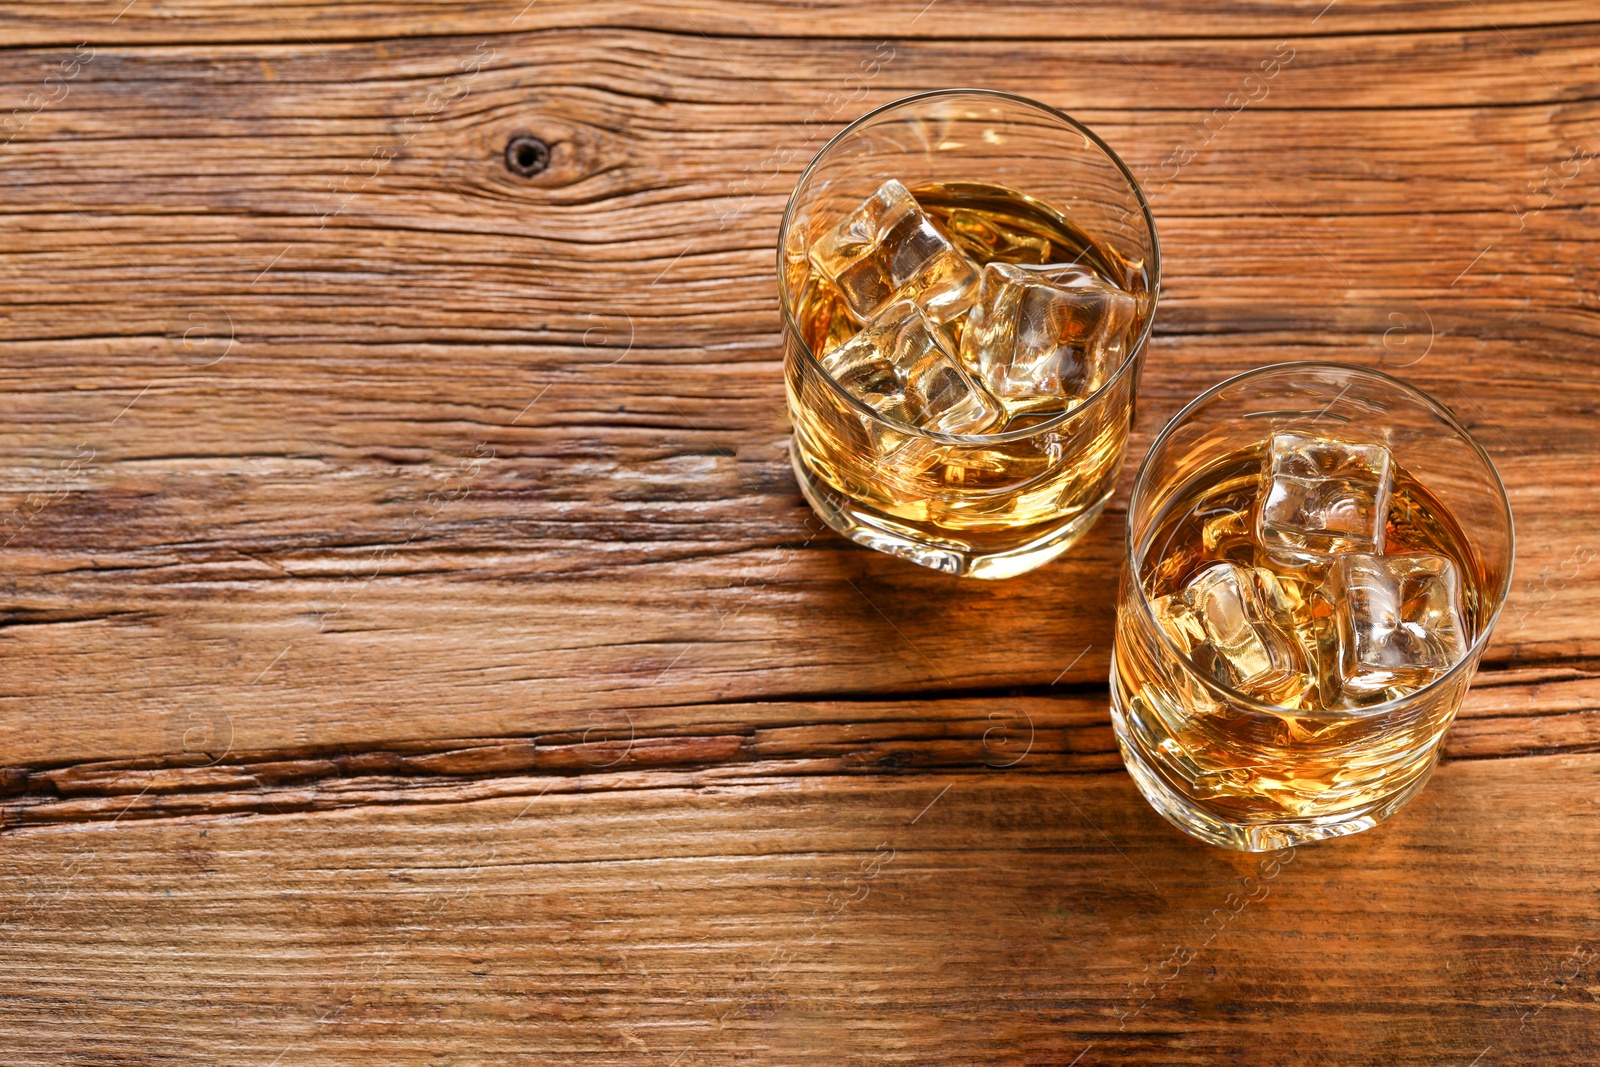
point(1437, 407)
point(1135, 351)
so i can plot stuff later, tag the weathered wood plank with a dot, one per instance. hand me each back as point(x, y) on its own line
point(209, 770)
point(1007, 918)
point(197, 21)
point(414, 654)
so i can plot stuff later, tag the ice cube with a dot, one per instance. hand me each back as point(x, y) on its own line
point(1398, 620)
point(904, 366)
point(1230, 630)
point(1045, 336)
point(889, 249)
point(1324, 497)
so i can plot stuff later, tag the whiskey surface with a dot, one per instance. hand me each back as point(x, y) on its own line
point(1215, 518)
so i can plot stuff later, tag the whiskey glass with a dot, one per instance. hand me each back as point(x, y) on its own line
point(990, 504)
point(1345, 742)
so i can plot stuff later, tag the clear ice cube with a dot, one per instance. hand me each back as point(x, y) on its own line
point(1038, 337)
point(1398, 620)
point(903, 365)
point(889, 249)
point(1323, 497)
point(1233, 630)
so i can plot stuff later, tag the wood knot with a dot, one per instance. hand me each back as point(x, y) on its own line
point(527, 156)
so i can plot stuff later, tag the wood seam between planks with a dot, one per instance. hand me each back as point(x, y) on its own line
point(456, 771)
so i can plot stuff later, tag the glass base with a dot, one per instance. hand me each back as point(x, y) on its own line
point(874, 530)
point(1188, 816)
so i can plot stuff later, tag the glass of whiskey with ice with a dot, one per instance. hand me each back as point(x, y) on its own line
point(1316, 555)
point(968, 280)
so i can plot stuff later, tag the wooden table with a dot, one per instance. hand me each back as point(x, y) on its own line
point(416, 649)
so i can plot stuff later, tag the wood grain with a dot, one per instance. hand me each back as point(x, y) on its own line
point(988, 918)
point(402, 569)
point(196, 21)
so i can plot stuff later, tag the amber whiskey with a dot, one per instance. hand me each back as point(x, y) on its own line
point(1301, 591)
point(964, 393)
